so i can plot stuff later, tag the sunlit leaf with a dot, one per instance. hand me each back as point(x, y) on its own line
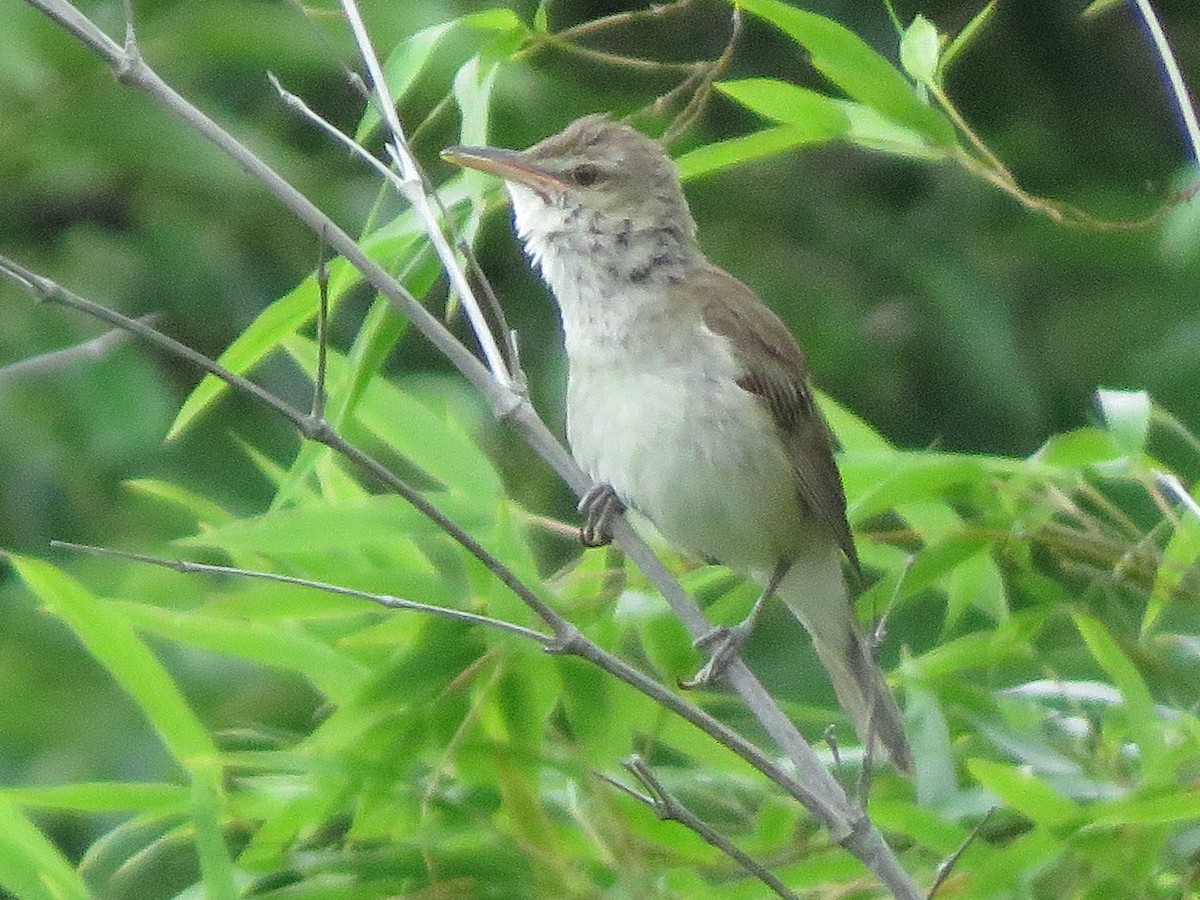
point(848, 62)
point(1127, 418)
point(919, 51)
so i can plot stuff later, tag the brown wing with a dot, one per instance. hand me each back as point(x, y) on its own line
point(775, 371)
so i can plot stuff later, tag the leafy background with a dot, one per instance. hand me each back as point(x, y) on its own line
point(931, 304)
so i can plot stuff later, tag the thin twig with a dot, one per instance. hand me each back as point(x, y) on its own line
point(944, 870)
point(654, 11)
point(388, 601)
point(412, 185)
point(668, 808)
point(318, 404)
point(1175, 83)
point(60, 359)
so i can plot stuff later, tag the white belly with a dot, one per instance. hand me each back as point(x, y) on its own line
point(694, 453)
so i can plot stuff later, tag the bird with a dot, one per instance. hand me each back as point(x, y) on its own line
point(688, 398)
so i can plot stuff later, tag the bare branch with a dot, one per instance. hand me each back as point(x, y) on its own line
point(944, 870)
point(412, 185)
point(385, 600)
point(60, 359)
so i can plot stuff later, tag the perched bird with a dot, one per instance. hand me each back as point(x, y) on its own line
point(688, 398)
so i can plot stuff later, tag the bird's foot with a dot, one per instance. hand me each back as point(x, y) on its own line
point(600, 506)
point(723, 645)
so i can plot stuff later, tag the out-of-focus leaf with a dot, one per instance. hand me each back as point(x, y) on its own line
point(872, 130)
point(31, 867)
point(1172, 805)
point(378, 520)
point(111, 640)
point(278, 644)
point(1179, 557)
point(882, 481)
point(1025, 793)
point(789, 104)
point(976, 584)
point(843, 58)
point(285, 316)
point(102, 796)
point(400, 71)
point(1077, 449)
point(1127, 418)
point(1139, 704)
point(204, 510)
point(929, 735)
point(918, 823)
point(436, 443)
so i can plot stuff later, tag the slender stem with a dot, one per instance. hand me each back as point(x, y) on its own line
point(413, 187)
point(1175, 82)
point(388, 601)
point(58, 359)
point(668, 808)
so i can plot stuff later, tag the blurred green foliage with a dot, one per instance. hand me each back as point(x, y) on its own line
point(161, 732)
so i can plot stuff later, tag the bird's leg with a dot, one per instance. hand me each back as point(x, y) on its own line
point(599, 506)
point(724, 643)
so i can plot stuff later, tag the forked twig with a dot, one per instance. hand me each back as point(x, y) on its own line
point(668, 808)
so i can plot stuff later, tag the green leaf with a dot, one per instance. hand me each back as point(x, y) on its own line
point(406, 62)
point(1077, 449)
point(843, 58)
point(926, 725)
point(1127, 418)
point(375, 521)
point(400, 71)
point(789, 104)
point(880, 481)
point(1024, 792)
point(31, 867)
point(1164, 807)
point(976, 584)
point(101, 796)
point(917, 823)
point(1139, 705)
point(201, 508)
point(735, 151)
point(1179, 558)
point(111, 640)
point(919, 51)
point(281, 645)
point(285, 316)
point(435, 443)
point(279, 319)
point(872, 130)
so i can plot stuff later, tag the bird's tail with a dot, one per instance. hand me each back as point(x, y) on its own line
point(815, 591)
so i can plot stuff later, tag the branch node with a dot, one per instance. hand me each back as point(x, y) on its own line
point(567, 640)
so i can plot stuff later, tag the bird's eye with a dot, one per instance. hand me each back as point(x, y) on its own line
point(585, 175)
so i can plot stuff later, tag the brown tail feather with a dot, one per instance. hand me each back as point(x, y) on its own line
point(860, 687)
point(815, 591)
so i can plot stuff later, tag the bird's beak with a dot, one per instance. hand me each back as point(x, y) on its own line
point(511, 165)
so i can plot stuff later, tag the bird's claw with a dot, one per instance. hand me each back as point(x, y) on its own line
point(600, 506)
point(723, 645)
